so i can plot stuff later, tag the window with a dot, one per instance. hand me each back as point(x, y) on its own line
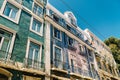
point(34, 55)
point(37, 10)
point(36, 26)
point(70, 41)
point(58, 57)
point(82, 50)
point(5, 41)
point(57, 33)
point(10, 11)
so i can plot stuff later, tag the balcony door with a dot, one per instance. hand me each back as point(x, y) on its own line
point(5, 41)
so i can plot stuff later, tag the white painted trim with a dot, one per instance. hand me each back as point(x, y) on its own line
point(12, 40)
point(7, 29)
point(1, 43)
point(49, 6)
point(36, 2)
point(54, 52)
point(60, 34)
point(41, 28)
point(67, 32)
point(35, 15)
point(17, 14)
point(36, 42)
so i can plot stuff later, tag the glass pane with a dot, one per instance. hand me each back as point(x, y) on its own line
point(36, 56)
point(34, 25)
point(58, 54)
point(13, 14)
point(5, 45)
point(38, 27)
point(5, 48)
point(39, 12)
point(30, 53)
point(7, 10)
point(35, 9)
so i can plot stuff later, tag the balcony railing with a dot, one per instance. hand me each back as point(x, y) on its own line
point(34, 64)
point(86, 73)
point(76, 70)
point(60, 64)
point(27, 63)
point(4, 55)
point(64, 24)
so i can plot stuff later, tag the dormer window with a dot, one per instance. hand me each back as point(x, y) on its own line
point(71, 18)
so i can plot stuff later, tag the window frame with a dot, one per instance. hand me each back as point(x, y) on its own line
point(28, 47)
point(57, 37)
point(12, 39)
point(36, 3)
point(41, 28)
point(55, 46)
point(14, 4)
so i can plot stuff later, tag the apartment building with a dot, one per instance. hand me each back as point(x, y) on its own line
point(106, 64)
point(22, 40)
point(38, 42)
point(71, 57)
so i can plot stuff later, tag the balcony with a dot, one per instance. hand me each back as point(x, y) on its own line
point(59, 65)
point(17, 62)
point(62, 22)
point(34, 64)
point(76, 70)
point(4, 55)
point(86, 73)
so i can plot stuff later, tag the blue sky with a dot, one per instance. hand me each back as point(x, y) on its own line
point(102, 15)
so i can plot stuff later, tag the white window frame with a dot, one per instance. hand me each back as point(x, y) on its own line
point(61, 53)
point(28, 46)
point(12, 40)
point(41, 29)
point(38, 5)
point(14, 3)
point(54, 34)
point(1, 42)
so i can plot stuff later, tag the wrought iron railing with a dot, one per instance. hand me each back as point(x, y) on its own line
point(4, 55)
point(35, 64)
point(60, 64)
point(76, 70)
point(86, 73)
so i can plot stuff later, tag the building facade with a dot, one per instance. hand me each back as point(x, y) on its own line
point(37, 42)
point(106, 64)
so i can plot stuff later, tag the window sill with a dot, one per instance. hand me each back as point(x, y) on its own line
point(40, 34)
point(57, 38)
point(15, 21)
